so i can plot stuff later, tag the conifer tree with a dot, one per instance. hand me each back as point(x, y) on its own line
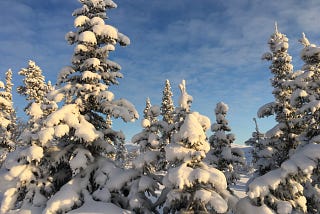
point(148, 162)
point(293, 187)
point(168, 116)
point(306, 99)
point(7, 117)
point(35, 89)
point(74, 150)
point(222, 155)
point(281, 139)
point(190, 184)
point(167, 107)
point(256, 143)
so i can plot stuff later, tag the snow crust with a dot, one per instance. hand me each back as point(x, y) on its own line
point(304, 160)
point(105, 31)
point(88, 37)
point(184, 176)
point(81, 21)
point(97, 207)
point(244, 206)
point(266, 110)
point(185, 99)
point(35, 110)
point(193, 132)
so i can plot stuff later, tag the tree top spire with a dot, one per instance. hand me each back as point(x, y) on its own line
point(276, 27)
point(304, 40)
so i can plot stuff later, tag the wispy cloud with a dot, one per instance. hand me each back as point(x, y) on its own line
point(215, 45)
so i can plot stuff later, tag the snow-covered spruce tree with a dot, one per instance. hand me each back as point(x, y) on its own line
point(192, 186)
point(281, 139)
point(7, 117)
point(255, 143)
point(167, 106)
point(306, 99)
point(222, 156)
point(26, 181)
point(282, 190)
point(167, 112)
point(148, 163)
point(76, 141)
point(293, 188)
point(35, 89)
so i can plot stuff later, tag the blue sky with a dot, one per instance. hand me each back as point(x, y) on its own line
point(215, 45)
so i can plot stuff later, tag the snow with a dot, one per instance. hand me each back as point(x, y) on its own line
point(90, 75)
point(106, 96)
point(97, 207)
point(204, 121)
point(178, 152)
point(96, 21)
point(312, 107)
point(244, 206)
point(192, 131)
point(81, 21)
point(80, 159)
point(284, 207)
point(65, 198)
point(87, 37)
point(296, 95)
point(80, 48)
point(305, 160)
point(185, 99)
point(184, 176)
point(4, 102)
point(65, 71)
point(46, 135)
point(35, 110)
point(110, 4)
point(123, 39)
point(276, 131)
point(145, 123)
point(102, 194)
point(8, 202)
point(105, 31)
point(86, 131)
point(91, 63)
point(266, 110)
point(221, 108)
point(32, 153)
point(310, 51)
point(260, 186)
point(1, 84)
point(61, 130)
point(4, 122)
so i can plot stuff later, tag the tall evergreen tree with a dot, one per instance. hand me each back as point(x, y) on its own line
point(293, 187)
point(7, 117)
point(167, 106)
point(306, 99)
point(74, 150)
point(148, 162)
point(222, 155)
point(256, 143)
point(168, 116)
point(190, 184)
point(35, 89)
point(282, 138)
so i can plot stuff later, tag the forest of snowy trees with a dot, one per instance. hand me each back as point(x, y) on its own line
point(67, 158)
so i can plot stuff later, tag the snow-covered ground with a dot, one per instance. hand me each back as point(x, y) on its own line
point(240, 188)
point(99, 207)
